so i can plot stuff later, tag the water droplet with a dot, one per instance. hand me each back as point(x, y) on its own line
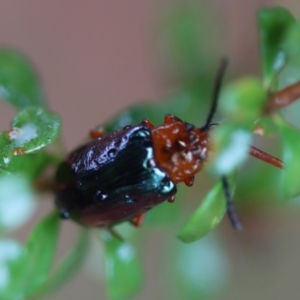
point(64, 214)
point(112, 152)
point(117, 143)
point(127, 127)
point(124, 138)
point(150, 163)
point(79, 184)
point(100, 196)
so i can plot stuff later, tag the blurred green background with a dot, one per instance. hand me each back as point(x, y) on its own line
point(97, 59)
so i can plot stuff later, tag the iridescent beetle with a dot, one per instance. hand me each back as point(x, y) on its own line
point(119, 176)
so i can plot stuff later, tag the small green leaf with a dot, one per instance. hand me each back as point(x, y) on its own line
point(264, 126)
point(10, 251)
point(135, 115)
point(67, 267)
point(200, 270)
point(32, 268)
point(292, 46)
point(167, 213)
point(40, 252)
point(32, 129)
point(291, 71)
point(123, 270)
point(207, 216)
point(273, 24)
point(258, 184)
point(182, 43)
point(290, 137)
point(13, 285)
point(30, 165)
point(230, 145)
point(186, 103)
point(242, 101)
point(17, 201)
point(19, 84)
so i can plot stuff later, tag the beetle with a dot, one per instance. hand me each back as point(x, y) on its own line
point(119, 176)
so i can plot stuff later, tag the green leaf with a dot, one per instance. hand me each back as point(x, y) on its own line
point(12, 289)
point(291, 71)
point(32, 129)
point(231, 146)
point(273, 24)
point(259, 185)
point(32, 268)
point(67, 267)
point(208, 215)
point(17, 201)
point(135, 115)
point(265, 127)
point(242, 101)
point(167, 213)
point(40, 252)
point(189, 104)
point(123, 270)
point(30, 165)
point(290, 137)
point(10, 251)
point(182, 43)
point(200, 270)
point(19, 84)
point(292, 46)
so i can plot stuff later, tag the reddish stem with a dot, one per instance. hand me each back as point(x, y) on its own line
point(283, 98)
point(257, 153)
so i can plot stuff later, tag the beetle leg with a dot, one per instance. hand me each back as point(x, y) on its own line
point(169, 119)
point(138, 220)
point(172, 199)
point(148, 123)
point(189, 181)
point(95, 133)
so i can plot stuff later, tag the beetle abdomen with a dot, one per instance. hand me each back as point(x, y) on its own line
point(112, 178)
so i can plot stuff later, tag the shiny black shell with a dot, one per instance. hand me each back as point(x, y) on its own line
point(112, 178)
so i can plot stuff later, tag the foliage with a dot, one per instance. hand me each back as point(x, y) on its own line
point(24, 156)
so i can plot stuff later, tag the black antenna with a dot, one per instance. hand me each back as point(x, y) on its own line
point(216, 92)
point(234, 220)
